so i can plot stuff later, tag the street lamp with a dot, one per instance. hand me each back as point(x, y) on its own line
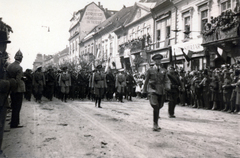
point(47, 28)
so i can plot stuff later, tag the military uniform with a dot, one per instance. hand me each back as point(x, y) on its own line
point(5, 84)
point(173, 92)
point(39, 83)
point(156, 84)
point(50, 81)
point(120, 84)
point(15, 72)
point(28, 84)
point(130, 81)
point(110, 79)
point(65, 83)
point(98, 84)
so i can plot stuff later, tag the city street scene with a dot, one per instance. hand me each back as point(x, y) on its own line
point(120, 79)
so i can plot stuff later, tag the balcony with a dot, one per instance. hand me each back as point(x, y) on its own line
point(223, 28)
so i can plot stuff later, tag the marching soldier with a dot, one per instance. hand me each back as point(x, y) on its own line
point(39, 83)
point(4, 83)
point(110, 84)
point(28, 84)
point(130, 84)
point(81, 81)
point(98, 84)
point(65, 83)
point(173, 92)
point(156, 84)
point(50, 81)
point(120, 84)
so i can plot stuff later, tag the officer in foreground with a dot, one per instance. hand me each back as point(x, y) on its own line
point(156, 84)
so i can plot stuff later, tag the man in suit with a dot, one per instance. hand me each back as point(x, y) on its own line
point(156, 84)
point(15, 72)
point(98, 84)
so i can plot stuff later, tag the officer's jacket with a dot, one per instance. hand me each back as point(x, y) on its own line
point(110, 79)
point(156, 81)
point(14, 71)
point(39, 79)
point(120, 80)
point(65, 79)
point(175, 82)
point(99, 80)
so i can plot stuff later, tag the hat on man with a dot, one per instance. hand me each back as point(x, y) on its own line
point(157, 57)
point(4, 31)
point(18, 55)
point(151, 64)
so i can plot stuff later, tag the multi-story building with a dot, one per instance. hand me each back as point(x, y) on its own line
point(135, 37)
point(38, 61)
point(63, 57)
point(47, 61)
point(101, 42)
point(82, 22)
point(221, 32)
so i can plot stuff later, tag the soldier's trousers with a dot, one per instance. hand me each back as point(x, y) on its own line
point(3, 112)
point(156, 101)
point(16, 104)
point(173, 96)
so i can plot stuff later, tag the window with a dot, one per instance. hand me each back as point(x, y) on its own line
point(204, 19)
point(139, 13)
point(187, 27)
point(168, 28)
point(225, 5)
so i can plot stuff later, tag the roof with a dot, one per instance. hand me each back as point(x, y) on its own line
point(116, 20)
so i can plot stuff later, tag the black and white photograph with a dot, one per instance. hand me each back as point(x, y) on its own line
point(119, 79)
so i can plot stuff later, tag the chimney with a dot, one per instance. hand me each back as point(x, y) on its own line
point(99, 4)
point(106, 9)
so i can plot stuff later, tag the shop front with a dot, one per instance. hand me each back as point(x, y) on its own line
point(190, 55)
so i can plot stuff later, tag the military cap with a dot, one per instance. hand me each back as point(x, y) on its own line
point(18, 55)
point(151, 64)
point(99, 67)
point(157, 57)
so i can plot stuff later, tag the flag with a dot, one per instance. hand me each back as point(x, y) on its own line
point(185, 55)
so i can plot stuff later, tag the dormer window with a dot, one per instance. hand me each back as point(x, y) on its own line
point(138, 13)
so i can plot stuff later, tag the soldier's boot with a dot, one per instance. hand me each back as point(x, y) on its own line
point(231, 109)
point(156, 127)
point(226, 107)
point(214, 106)
point(96, 102)
point(99, 103)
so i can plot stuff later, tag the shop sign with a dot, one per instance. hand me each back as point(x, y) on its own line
point(193, 45)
